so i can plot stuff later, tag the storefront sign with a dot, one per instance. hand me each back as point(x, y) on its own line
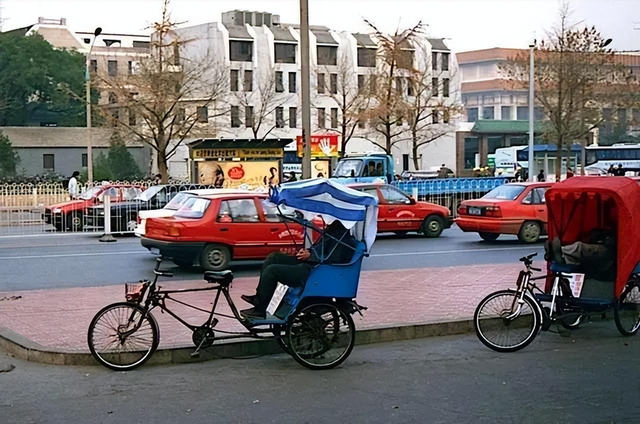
point(236, 174)
point(322, 146)
point(237, 153)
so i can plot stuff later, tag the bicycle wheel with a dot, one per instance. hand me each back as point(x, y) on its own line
point(502, 333)
point(626, 311)
point(320, 336)
point(122, 336)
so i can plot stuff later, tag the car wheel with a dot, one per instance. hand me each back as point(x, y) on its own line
point(529, 232)
point(432, 226)
point(74, 221)
point(215, 257)
point(489, 236)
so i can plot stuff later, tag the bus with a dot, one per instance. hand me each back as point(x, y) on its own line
point(601, 158)
point(505, 161)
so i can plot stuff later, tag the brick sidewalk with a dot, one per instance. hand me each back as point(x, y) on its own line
point(59, 318)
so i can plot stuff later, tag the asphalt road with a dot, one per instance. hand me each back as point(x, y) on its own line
point(51, 261)
point(591, 377)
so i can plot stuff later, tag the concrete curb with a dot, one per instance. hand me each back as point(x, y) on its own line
point(25, 349)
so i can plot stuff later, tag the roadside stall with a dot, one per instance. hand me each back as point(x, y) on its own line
point(232, 163)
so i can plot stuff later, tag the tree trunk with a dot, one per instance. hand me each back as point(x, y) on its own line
point(388, 137)
point(414, 139)
point(559, 159)
point(163, 169)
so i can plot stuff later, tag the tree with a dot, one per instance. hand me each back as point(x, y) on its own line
point(122, 165)
point(575, 76)
point(166, 97)
point(35, 79)
point(9, 159)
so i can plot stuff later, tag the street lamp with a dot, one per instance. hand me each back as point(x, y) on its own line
point(532, 173)
point(306, 93)
point(87, 78)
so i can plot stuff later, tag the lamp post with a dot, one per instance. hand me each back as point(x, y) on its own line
point(306, 93)
point(532, 174)
point(87, 78)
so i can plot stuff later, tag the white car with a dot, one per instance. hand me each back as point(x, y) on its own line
point(176, 203)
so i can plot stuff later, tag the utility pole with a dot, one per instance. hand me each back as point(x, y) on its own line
point(532, 174)
point(87, 77)
point(306, 93)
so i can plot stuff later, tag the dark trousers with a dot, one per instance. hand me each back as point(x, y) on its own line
point(279, 268)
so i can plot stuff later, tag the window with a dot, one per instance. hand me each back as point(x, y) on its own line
point(361, 82)
point(112, 68)
point(85, 160)
point(321, 118)
point(399, 86)
point(175, 59)
point(405, 162)
point(285, 53)
point(233, 86)
point(494, 143)
point(538, 114)
point(293, 117)
point(446, 116)
point(113, 99)
point(505, 113)
point(523, 113)
point(434, 61)
point(333, 82)
point(470, 152)
point(334, 117)
point(472, 114)
point(130, 67)
point(279, 117)
point(434, 86)
point(48, 163)
point(292, 82)
point(366, 57)
point(393, 196)
point(274, 213)
point(247, 84)
point(241, 51)
point(180, 115)
point(193, 208)
point(535, 197)
point(241, 210)
point(132, 117)
point(141, 44)
point(373, 83)
point(93, 66)
point(445, 87)
point(487, 112)
point(248, 116)
point(373, 168)
point(445, 61)
point(202, 113)
point(411, 88)
point(279, 82)
point(361, 118)
point(115, 117)
point(321, 84)
point(235, 117)
point(327, 55)
point(86, 40)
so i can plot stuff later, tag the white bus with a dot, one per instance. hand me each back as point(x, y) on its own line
point(601, 158)
point(505, 160)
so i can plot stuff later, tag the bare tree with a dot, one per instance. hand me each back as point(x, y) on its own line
point(575, 76)
point(166, 97)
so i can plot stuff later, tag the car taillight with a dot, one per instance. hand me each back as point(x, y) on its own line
point(139, 220)
point(174, 232)
point(462, 210)
point(493, 211)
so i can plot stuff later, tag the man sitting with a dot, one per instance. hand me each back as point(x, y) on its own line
point(336, 246)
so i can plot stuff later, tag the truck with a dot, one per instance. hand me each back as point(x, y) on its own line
point(367, 168)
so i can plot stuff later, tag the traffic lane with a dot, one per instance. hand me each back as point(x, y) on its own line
point(591, 377)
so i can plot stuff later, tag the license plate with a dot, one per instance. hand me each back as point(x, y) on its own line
point(474, 211)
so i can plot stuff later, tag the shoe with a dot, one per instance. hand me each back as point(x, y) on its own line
point(253, 313)
point(252, 300)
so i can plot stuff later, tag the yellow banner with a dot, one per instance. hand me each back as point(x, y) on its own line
point(237, 153)
point(235, 174)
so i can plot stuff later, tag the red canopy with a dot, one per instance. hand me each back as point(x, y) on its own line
point(579, 205)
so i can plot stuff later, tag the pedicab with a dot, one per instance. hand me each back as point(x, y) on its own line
point(312, 323)
point(593, 266)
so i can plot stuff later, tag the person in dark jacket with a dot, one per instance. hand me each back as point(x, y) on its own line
point(335, 246)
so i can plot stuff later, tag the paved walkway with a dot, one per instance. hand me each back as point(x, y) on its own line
point(59, 318)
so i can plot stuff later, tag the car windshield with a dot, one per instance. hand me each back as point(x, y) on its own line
point(91, 193)
point(178, 201)
point(148, 194)
point(505, 192)
point(194, 207)
point(348, 168)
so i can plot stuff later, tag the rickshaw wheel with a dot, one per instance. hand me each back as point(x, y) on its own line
point(503, 334)
point(320, 336)
point(281, 339)
point(627, 310)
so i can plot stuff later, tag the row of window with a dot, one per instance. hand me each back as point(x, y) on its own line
point(488, 112)
point(49, 162)
point(444, 61)
point(112, 67)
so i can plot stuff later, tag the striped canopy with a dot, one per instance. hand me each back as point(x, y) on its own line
point(331, 201)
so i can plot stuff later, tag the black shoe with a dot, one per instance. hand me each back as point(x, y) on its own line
point(253, 313)
point(252, 300)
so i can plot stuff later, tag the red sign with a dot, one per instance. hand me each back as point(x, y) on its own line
point(322, 146)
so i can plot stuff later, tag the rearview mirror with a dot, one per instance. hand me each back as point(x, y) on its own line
point(411, 201)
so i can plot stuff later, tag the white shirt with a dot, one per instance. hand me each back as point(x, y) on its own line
point(73, 187)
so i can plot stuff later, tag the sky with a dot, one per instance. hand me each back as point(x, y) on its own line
point(467, 24)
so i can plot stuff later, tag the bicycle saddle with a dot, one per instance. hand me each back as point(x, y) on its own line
point(224, 278)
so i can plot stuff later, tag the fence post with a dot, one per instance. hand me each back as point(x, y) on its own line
point(107, 236)
point(414, 192)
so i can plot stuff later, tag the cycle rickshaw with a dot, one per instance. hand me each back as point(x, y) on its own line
point(311, 323)
point(593, 255)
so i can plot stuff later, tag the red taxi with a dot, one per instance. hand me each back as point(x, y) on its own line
point(69, 215)
point(508, 209)
point(212, 230)
point(400, 213)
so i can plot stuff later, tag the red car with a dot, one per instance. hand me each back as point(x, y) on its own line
point(400, 213)
point(212, 230)
point(517, 208)
point(69, 215)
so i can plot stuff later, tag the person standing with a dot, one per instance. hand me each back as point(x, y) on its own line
point(292, 177)
point(569, 172)
point(541, 178)
point(73, 185)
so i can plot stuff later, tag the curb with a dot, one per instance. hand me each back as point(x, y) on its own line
point(25, 349)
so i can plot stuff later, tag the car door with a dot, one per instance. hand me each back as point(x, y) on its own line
point(533, 206)
point(540, 205)
point(285, 237)
point(399, 213)
point(238, 224)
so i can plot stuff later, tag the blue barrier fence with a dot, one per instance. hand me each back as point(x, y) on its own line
point(437, 187)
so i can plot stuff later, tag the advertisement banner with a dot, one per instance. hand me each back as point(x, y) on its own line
point(237, 153)
point(322, 146)
point(235, 174)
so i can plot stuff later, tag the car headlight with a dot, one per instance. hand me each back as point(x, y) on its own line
point(57, 210)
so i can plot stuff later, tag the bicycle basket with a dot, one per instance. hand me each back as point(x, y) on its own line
point(135, 292)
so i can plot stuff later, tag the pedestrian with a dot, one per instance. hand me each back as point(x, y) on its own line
point(73, 185)
point(569, 172)
point(292, 177)
point(518, 174)
point(157, 179)
point(541, 176)
point(620, 172)
point(611, 170)
point(443, 171)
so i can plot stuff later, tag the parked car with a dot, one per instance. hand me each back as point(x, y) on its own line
point(124, 215)
point(400, 213)
point(212, 230)
point(69, 215)
point(517, 208)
